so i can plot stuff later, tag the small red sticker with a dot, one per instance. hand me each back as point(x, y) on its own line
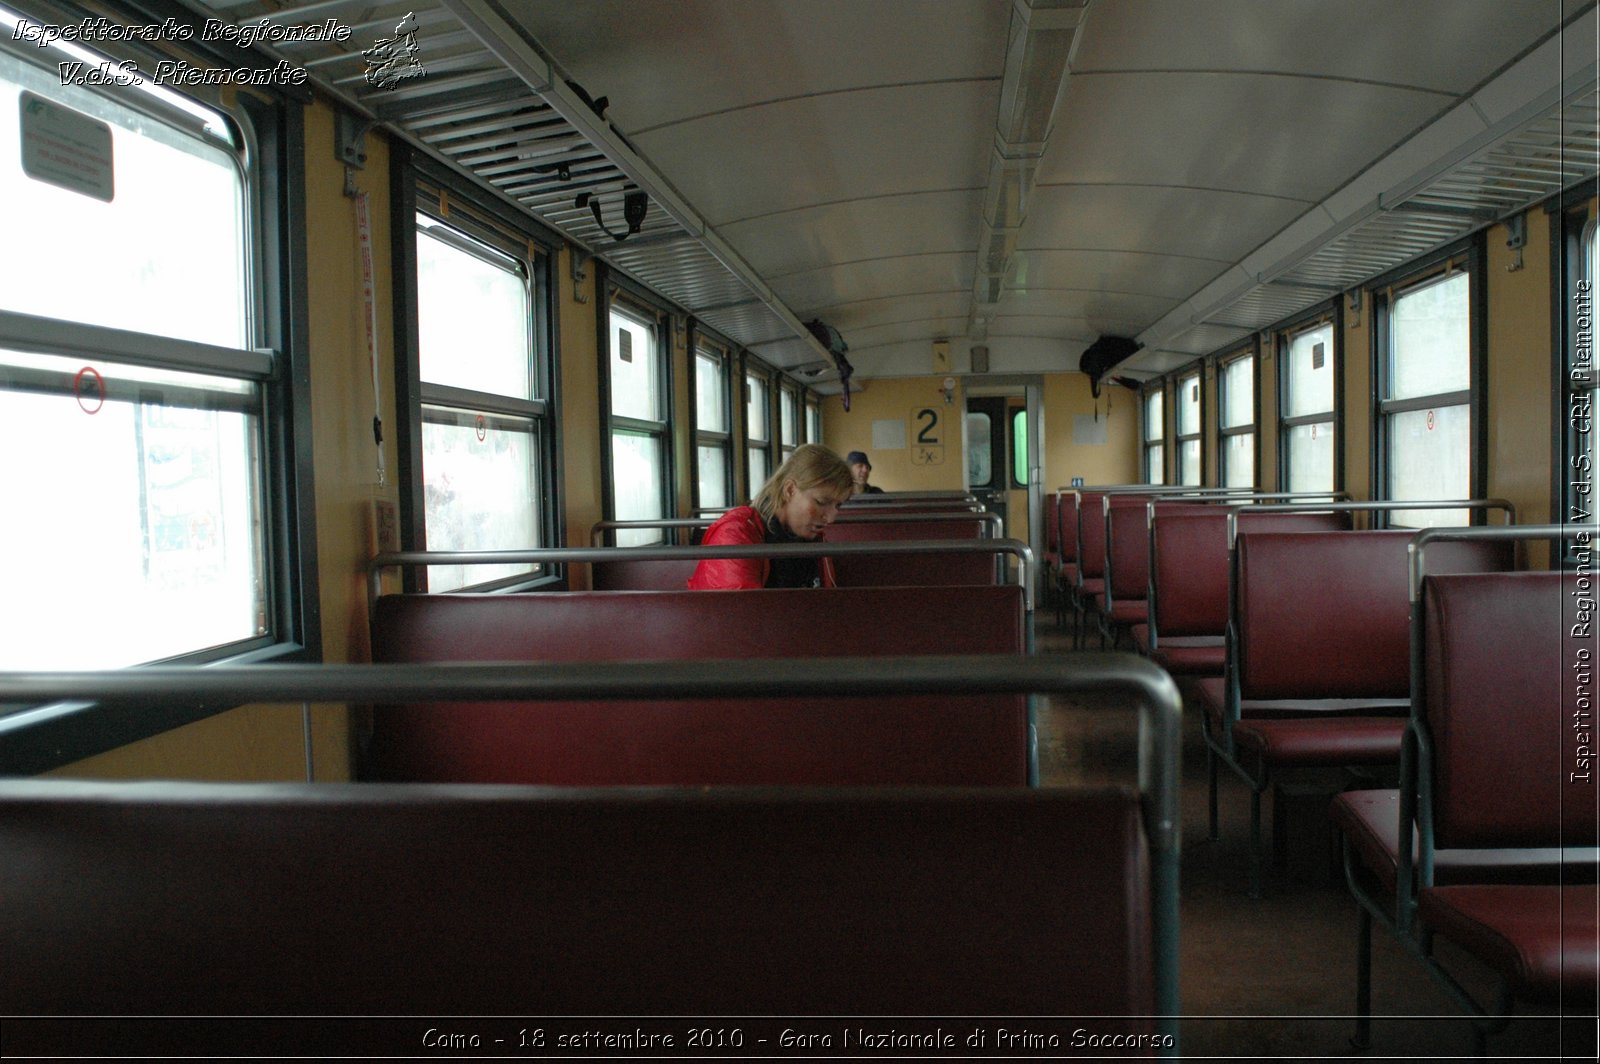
point(483, 428)
point(1430, 421)
point(93, 392)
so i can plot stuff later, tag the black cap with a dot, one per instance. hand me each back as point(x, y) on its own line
point(857, 456)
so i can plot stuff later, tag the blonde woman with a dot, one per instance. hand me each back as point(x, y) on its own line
point(796, 505)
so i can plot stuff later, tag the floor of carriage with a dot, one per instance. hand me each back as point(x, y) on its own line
point(1275, 978)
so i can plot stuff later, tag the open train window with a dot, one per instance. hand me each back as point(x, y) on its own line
point(1236, 419)
point(1425, 385)
point(1308, 375)
point(637, 404)
point(134, 374)
point(1155, 435)
point(1191, 469)
point(713, 427)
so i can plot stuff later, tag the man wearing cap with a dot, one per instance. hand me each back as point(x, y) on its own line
point(861, 469)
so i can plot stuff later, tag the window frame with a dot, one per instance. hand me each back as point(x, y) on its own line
point(1251, 427)
point(420, 186)
point(1324, 314)
point(1466, 257)
point(1150, 441)
point(703, 342)
point(648, 309)
point(753, 367)
point(1196, 375)
point(789, 399)
point(268, 126)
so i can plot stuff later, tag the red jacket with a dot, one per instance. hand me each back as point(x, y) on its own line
point(742, 524)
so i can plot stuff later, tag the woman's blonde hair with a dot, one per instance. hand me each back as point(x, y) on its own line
point(811, 464)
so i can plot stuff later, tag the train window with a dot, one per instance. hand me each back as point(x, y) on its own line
point(480, 405)
point(1426, 397)
point(133, 395)
point(1154, 435)
point(813, 421)
point(1307, 428)
point(1236, 420)
point(640, 439)
point(788, 418)
point(757, 429)
point(1189, 466)
point(713, 440)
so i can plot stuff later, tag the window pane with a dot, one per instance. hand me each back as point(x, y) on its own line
point(1238, 392)
point(1154, 469)
point(1154, 406)
point(788, 418)
point(1239, 460)
point(980, 472)
point(813, 423)
point(1432, 327)
point(473, 321)
point(167, 255)
point(134, 517)
point(1311, 373)
point(1189, 460)
point(1310, 457)
point(1428, 459)
point(1019, 447)
point(755, 409)
point(711, 393)
point(1189, 405)
point(758, 470)
point(714, 477)
point(480, 483)
point(635, 370)
point(636, 484)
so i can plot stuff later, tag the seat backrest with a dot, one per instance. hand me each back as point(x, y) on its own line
point(911, 570)
point(1067, 521)
point(427, 900)
point(1327, 614)
point(1508, 686)
point(632, 574)
point(1128, 544)
point(909, 739)
point(1091, 535)
point(1190, 559)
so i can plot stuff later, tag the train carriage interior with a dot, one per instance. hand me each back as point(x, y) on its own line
point(371, 372)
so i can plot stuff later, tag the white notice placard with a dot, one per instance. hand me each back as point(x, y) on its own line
point(888, 434)
point(64, 148)
point(1088, 430)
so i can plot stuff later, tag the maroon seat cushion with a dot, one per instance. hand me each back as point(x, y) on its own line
point(1545, 940)
point(1213, 692)
point(1129, 611)
point(1195, 655)
point(1302, 742)
point(1371, 821)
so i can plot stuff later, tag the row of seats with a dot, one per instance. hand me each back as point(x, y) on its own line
point(1422, 655)
point(1490, 840)
point(739, 879)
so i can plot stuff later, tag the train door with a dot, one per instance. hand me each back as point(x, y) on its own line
point(988, 452)
point(1005, 455)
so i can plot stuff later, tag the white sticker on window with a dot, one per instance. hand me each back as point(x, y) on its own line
point(64, 148)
